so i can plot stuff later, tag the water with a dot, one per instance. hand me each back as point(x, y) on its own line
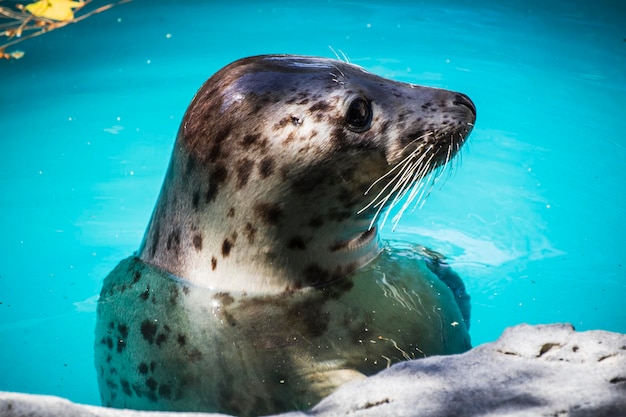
point(532, 216)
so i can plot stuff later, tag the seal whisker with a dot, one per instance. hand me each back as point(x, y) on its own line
point(399, 165)
point(407, 174)
point(448, 170)
point(419, 185)
point(334, 52)
point(424, 136)
point(397, 183)
point(343, 57)
point(446, 166)
point(417, 173)
point(411, 185)
point(419, 190)
point(404, 166)
point(338, 70)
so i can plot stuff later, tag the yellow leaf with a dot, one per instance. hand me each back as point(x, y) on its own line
point(60, 10)
point(16, 54)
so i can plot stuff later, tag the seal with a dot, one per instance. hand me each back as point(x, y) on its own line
point(261, 284)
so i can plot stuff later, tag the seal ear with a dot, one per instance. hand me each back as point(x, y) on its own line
point(359, 115)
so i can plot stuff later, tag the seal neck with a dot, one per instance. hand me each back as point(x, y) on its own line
point(254, 242)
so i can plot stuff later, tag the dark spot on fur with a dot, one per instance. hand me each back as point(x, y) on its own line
point(243, 172)
point(218, 177)
point(173, 241)
point(306, 184)
point(310, 317)
point(289, 138)
point(136, 276)
point(138, 390)
point(227, 245)
point(296, 243)
point(228, 318)
point(112, 385)
point(151, 384)
point(224, 298)
point(126, 387)
point(182, 340)
point(195, 200)
point(155, 240)
point(216, 144)
point(316, 222)
point(213, 263)
point(282, 123)
point(191, 164)
point(148, 330)
point(195, 355)
point(231, 212)
point(339, 215)
point(315, 275)
point(220, 173)
point(145, 294)
point(338, 288)
point(210, 194)
point(249, 232)
point(320, 106)
point(270, 213)
point(339, 138)
point(143, 368)
point(160, 339)
point(123, 330)
point(250, 139)
point(173, 296)
point(384, 127)
point(266, 167)
point(197, 242)
point(165, 391)
point(347, 198)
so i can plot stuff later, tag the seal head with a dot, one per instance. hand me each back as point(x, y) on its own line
point(276, 165)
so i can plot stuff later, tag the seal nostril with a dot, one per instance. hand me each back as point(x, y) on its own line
point(463, 100)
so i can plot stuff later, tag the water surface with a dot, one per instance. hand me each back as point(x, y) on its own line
point(532, 215)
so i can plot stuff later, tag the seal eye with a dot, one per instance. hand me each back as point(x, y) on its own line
point(359, 116)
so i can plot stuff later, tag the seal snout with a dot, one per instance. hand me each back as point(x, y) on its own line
point(461, 99)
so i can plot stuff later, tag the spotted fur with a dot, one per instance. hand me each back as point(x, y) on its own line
point(261, 284)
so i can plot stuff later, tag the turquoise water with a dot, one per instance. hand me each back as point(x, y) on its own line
point(532, 216)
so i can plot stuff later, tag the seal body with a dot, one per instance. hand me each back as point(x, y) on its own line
point(261, 284)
